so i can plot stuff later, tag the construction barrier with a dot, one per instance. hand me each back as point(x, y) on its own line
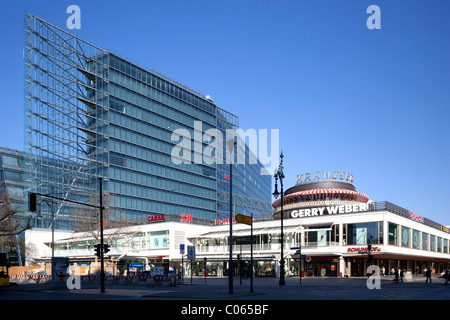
point(95, 279)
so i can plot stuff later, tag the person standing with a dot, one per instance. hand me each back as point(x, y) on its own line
point(428, 275)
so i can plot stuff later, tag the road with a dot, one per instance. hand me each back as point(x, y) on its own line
point(191, 299)
point(263, 289)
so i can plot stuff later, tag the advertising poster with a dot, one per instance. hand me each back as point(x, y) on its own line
point(60, 269)
point(361, 235)
point(321, 238)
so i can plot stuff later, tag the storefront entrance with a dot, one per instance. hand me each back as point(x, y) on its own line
point(322, 267)
point(357, 269)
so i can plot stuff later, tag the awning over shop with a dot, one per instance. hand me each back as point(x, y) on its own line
point(247, 232)
point(226, 257)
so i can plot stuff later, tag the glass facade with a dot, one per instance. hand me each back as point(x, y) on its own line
point(393, 234)
point(364, 233)
point(91, 114)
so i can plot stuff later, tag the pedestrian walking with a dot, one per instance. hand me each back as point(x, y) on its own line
point(396, 275)
point(401, 275)
point(446, 276)
point(428, 275)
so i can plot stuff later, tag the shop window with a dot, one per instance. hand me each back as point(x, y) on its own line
point(405, 237)
point(424, 241)
point(393, 234)
point(364, 233)
point(439, 244)
point(416, 239)
point(432, 243)
point(159, 240)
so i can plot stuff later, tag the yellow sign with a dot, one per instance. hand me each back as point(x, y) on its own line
point(244, 219)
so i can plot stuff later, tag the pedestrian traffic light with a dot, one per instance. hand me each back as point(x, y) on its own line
point(97, 250)
point(106, 248)
point(32, 205)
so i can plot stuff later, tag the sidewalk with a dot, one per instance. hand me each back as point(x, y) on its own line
point(263, 289)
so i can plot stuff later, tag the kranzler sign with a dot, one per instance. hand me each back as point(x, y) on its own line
point(329, 210)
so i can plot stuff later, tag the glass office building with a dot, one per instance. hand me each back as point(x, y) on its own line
point(91, 114)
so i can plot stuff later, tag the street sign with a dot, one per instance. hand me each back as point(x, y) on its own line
point(244, 219)
point(191, 252)
point(182, 248)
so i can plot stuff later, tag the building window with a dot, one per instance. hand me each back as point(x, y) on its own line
point(364, 233)
point(405, 237)
point(10, 160)
point(424, 241)
point(393, 234)
point(159, 240)
point(432, 243)
point(416, 239)
point(439, 244)
point(445, 246)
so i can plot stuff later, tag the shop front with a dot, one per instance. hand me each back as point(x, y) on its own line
point(326, 266)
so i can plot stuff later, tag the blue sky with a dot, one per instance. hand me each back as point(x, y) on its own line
point(374, 103)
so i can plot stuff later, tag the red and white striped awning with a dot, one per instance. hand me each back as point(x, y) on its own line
point(323, 194)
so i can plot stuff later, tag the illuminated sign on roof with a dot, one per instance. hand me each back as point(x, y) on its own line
point(327, 176)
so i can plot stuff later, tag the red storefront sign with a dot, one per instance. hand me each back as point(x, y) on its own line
point(159, 217)
point(415, 217)
point(363, 249)
point(225, 221)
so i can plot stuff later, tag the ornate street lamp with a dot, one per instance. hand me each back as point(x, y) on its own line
point(280, 175)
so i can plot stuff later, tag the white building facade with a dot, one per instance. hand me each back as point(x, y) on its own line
point(328, 226)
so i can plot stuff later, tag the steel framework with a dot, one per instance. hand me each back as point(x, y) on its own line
point(65, 110)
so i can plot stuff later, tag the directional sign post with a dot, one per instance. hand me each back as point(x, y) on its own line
point(191, 253)
point(244, 219)
point(249, 221)
point(191, 256)
point(182, 261)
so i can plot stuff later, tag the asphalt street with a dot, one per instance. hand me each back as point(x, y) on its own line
point(263, 289)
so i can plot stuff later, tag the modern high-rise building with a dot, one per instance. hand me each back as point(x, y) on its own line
point(92, 114)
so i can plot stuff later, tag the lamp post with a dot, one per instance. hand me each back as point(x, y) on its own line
point(280, 175)
point(230, 145)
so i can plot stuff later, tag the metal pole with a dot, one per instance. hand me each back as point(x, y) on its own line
point(53, 243)
point(240, 263)
point(230, 271)
point(251, 256)
point(102, 272)
point(300, 261)
point(281, 176)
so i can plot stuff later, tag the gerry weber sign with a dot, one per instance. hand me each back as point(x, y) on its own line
point(330, 210)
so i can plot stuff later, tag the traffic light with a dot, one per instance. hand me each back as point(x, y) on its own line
point(106, 248)
point(32, 205)
point(97, 250)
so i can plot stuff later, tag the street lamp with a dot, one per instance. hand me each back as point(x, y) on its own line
point(280, 175)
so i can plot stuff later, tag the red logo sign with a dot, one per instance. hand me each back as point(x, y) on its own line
point(155, 218)
point(185, 217)
point(225, 221)
point(363, 249)
point(415, 217)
